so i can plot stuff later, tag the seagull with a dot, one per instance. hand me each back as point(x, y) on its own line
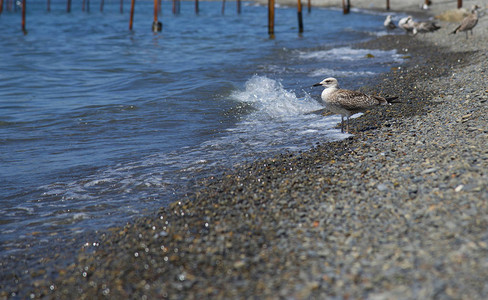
point(389, 23)
point(426, 5)
point(347, 102)
point(423, 27)
point(469, 22)
point(406, 24)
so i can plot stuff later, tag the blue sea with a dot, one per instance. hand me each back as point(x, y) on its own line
point(100, 124)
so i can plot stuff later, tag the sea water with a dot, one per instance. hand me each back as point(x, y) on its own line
point(99, 124)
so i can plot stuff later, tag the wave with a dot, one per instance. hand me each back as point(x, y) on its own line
point(278, 121)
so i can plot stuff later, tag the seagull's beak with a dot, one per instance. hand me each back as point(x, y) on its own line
point(317, 84)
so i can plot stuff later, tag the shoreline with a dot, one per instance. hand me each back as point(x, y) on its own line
point(435, 8)
point(393, 212)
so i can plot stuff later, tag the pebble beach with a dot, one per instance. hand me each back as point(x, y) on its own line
point(399, 210)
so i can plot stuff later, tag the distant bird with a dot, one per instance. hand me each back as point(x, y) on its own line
point(406, 24)
point(423, 27)
point(410, 26)
point(469, 22)
point(426, 5)
point(346, 102)
point(389, 23)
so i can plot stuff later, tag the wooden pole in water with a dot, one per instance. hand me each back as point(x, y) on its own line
point(309, 6)
point(68, 6)
point(460, 3)
point(155, 11)
point(345, 7)
point(160, 7)
point(238, 6)
point(23, 16)
point(271, 6)
point(223, 6)
point(156, 25)
point(48, 5)
point(387, 4)
point(133, 2)
point(196, 7)
point(300, 17)
point(83, 5)
point(176, 7)
point(1, 6)
point(121, 6)
point(101, 6)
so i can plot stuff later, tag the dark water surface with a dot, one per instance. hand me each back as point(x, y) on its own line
point(99, 124)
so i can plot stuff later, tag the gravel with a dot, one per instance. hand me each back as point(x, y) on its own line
point(397, 211)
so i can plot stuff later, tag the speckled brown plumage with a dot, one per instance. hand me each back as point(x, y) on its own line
point(469, 22)
point(346, 102)
point(353, 101)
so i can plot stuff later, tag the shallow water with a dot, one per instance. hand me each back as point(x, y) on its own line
point(99, 124)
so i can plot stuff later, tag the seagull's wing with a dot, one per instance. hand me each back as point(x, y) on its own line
point(355, 101)
point(469, 22)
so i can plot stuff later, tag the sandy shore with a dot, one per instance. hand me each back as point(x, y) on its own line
point(436, 7)
point(397, 211)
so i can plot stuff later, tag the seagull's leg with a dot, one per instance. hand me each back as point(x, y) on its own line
point(342, 123)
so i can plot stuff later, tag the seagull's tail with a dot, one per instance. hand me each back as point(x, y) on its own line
point(456, 30)
point(435, 27)
point(386, 100)
point(392, 99)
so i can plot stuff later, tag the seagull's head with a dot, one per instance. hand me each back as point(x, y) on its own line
point(328, 83)
point(405, 20)
point(475, 7)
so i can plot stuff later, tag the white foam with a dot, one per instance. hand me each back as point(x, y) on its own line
point(380, 33)
point(356, 115)
point(338, 73)
point(270, 98)
point(80, 216)
point(348, 62)
point(98, 182)
point(349, 54)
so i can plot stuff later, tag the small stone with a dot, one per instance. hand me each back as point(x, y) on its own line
point(239, 264)
point(429, 171)
point(459, 188)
